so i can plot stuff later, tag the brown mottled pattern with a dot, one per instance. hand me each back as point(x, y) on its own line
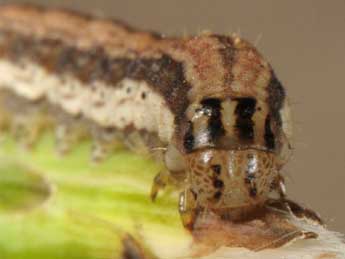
point(228, 52)
point(163, 74)
point(203, 64)
point(63, 24)
point(184, 71)
point(210, 57)
point(276, 97)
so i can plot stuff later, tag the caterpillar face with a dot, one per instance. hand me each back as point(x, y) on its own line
point(227, 179)
point(235, 148)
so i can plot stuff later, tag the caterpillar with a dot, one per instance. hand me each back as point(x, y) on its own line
point(211, 102)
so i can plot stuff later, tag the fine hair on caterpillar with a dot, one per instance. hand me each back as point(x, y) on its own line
point(210, 105)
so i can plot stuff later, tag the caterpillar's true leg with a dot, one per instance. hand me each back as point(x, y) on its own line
point(164, 178)
point(159, 182)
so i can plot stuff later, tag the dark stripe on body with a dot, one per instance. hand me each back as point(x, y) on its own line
point(210, 111)
point(212, 108)
point(188, 140)
point(276, 97)
point(163, 74)
point(244, 124)
point(273, 122)
point(269, 136)
point(217, 169)
point(228, 56)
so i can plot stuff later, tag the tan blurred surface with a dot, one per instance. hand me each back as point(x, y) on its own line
point(305, 42)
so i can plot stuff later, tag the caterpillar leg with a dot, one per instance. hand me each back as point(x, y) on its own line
point(102, 150)
point(105, 141)
point(27, 129)
point(166, 178)
point(4, 120)
point(159, 182)
point(24, 120)
point(66, 138)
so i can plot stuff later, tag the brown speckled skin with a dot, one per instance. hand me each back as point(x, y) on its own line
point(225, 98)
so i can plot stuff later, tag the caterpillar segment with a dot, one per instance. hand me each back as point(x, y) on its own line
point(210, 105)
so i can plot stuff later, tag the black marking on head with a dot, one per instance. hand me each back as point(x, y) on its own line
point(269, 136)
point(188, 140)
point(217, 195)
point(212, 108)
point(244, 123)
point(217, 169)
point(218, 184)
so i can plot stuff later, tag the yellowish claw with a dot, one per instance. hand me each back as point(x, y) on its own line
point(160, 181)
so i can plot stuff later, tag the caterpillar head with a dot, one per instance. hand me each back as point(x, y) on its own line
point(234, 149)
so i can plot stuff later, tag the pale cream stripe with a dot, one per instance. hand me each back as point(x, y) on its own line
point(108, 106)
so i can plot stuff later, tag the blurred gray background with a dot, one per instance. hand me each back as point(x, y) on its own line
point(305, 43)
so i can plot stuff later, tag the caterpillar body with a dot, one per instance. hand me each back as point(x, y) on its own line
point(212, 102)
